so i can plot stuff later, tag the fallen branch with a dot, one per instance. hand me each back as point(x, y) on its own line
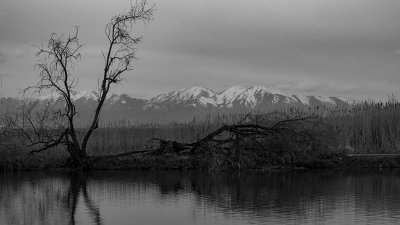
point(99, 157)
point(236, 134)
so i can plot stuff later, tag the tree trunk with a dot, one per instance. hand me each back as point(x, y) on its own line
point(78, 158)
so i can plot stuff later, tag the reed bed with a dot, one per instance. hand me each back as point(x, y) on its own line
point(363, 128)
point(366, 127)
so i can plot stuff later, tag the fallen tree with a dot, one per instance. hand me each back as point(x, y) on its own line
point(256, 141)
point(273, 140)
point(305, 131)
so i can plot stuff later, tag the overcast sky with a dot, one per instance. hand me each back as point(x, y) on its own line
point(348, 48)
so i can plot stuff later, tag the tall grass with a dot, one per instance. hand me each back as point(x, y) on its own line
point(366, 127)
point(369, 127)
point(122, 136)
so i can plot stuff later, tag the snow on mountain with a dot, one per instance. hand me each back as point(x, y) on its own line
point(348, 100)
point(325, 99)
point(228, 96)
point(207, 101)
point(236, 95)
point(113, 99)
point(254, 95)
point(200, 97)
point(191, 95)
point(183, 104)
point(86, 95)
point(303, 99)
point(269, 90)
point(290, 100)
point(276, 99)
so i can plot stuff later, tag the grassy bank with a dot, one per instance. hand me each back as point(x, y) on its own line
point(208, 161)
point(364, 128)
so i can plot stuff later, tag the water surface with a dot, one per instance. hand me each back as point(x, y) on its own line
point(131, 197)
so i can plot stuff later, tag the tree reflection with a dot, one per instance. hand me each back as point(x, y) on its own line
point(44, 198)
point(61, 198)
point(77, 187)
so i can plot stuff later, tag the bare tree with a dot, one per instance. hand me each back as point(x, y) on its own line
point(58, 59)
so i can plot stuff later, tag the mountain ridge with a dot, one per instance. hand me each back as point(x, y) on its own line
point(184, 104)
point(249, 97)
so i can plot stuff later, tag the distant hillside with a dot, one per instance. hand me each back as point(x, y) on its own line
point(183, 104)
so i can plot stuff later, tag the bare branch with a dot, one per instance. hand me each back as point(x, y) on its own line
point(120, 53)
point(45, 127)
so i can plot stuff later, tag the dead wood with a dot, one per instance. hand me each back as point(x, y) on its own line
point(235, 135)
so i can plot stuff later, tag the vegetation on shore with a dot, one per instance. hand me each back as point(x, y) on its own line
point(46, 127)
point(323, 141)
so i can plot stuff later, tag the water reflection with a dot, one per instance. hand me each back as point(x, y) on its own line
point(329, 197)
point(44, 198)
point(77, 187)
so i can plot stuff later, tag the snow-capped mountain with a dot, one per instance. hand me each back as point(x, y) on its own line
point(83, 95)
point(228, 96)
point(195, 96)
point(236, 96)
point(184, 104)
point(254, 96)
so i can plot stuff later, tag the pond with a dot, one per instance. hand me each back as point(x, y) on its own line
point(171, 197)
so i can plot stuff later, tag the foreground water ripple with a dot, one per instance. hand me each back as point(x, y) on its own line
point(168, 197)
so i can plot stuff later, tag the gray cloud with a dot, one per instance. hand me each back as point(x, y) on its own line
point(312, 87)
point(325, 47)
point(2, 58)
point(21, 53)
point(397, 52)
point(1, 6)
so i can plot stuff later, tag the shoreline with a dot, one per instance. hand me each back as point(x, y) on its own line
point(202, 163)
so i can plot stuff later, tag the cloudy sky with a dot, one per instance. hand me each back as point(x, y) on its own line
point(324, 47)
